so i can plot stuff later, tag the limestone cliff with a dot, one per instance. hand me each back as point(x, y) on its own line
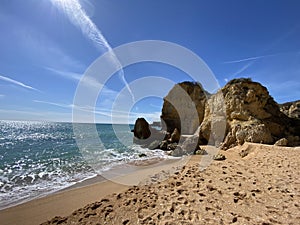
point(183, 107)
point(241, 111)
point(291, 109)
point(254, 116)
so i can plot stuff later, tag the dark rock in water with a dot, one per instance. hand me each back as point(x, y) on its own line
point(219, 157)
point(141, 129)
point(175, 136)
point(147, 136)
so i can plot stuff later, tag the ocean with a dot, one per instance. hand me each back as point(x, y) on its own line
point(39, 158)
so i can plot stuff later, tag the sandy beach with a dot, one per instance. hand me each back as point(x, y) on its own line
point(64, 202)
point(256, 184)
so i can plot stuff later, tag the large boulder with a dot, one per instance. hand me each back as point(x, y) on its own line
point(141, 129)
point(183, 108)
point(253, 115)
point(244, 111)
point(147, 136)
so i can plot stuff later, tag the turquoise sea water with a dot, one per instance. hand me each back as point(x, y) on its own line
point(37, 158)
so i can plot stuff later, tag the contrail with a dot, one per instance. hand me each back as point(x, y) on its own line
point(243, 68)
point(249, 59)
point(79, 18)
point(7, 79)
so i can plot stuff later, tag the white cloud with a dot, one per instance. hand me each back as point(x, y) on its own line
point(155, 106)
point(43, 51)
point(105, 115)
point(18, 83)
point(11, 114)
point(87, 81)
point(65, 74)
point(56, 57)
point(54, 104)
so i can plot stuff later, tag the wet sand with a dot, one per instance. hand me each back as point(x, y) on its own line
point(64, 202)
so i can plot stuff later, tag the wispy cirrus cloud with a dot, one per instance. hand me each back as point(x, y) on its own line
point(87, 81)
point(65, 74)
point(44, 51)
point(245, 67)
point(249, 62)
point(76, 77)
point(116, 116)
point(254, 59)
point(249, 59)
point(54, 104)
point(18, 83)
point(34, 115)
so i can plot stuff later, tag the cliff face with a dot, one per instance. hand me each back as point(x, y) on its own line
point(183, 108)
point(291, 109)
point(241, 111)
point(254, 116)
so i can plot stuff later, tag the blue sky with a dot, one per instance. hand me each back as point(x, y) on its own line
point(45, 49)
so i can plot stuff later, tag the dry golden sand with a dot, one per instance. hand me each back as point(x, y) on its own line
point(262, 187)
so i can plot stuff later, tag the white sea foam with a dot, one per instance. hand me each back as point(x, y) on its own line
point(45, 158)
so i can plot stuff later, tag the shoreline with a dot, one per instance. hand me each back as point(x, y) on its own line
point(66, 200)
point(256, 184)
point(253, 178)
point(115, 170)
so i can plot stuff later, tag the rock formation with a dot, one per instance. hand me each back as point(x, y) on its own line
point(291, 109)
point(175, 136)
point(254, 116)
point(281, 142)
point(147, 136)
point(141, 129)
point(242, 111)
point(183, 107)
